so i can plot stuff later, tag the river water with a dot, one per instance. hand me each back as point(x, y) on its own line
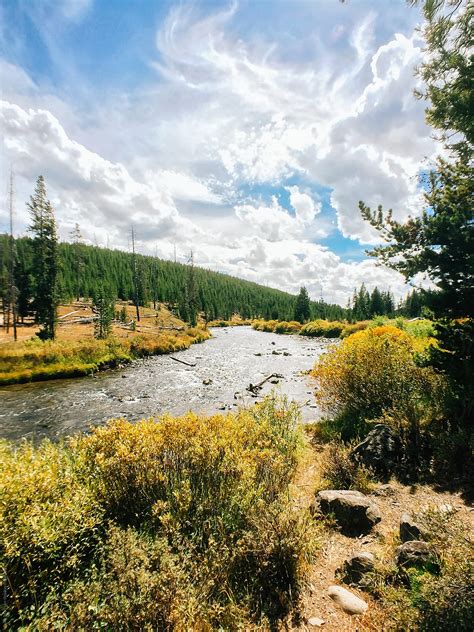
point(232, 359)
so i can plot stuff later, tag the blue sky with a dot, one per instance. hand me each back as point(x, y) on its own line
point(247, 130)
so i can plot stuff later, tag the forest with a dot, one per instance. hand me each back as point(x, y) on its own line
point(81, 267)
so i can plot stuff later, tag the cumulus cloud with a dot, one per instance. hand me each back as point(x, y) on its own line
point(231, 118)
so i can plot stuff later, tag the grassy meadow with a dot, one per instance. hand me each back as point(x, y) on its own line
point(75, 352)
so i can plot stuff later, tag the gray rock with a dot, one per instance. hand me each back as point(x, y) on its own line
point(274, 381)
point(414, 553)
point(354, 512)
point(275, 352)
point(380, 450)
point(286, 353)
point(409, 530)
point(207, 381)
point(355, 567)
point(316, 622)
point(350, 603)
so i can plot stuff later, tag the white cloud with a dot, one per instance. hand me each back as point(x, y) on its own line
point(226, 113)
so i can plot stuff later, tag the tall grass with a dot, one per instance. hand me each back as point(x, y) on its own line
point(176, 523)
point(35, 360)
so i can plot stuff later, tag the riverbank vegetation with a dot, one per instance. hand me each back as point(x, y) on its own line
point(35, 360)
point(177, 523)
point(420, 328)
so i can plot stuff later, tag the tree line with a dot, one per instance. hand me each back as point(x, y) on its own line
point(47, 271)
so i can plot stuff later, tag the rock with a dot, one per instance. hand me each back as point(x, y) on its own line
point(384, 490)
point(124, 376)
point(354, 512)
point(257, 354)
point(355, 567)
point(414, 553)
point(316, 622)
point(221, 406)
point(207, 381)
point(273, 343)
point(380, 450)
point(409, 530)
point(286, 353)
point(274, 381)
point(237, 395)
point(446, 509)
point(350, 603)
point(275, 352)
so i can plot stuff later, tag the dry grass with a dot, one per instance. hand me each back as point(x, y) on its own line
point(76, 352)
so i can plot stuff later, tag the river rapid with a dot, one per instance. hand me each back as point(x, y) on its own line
point(224, 367)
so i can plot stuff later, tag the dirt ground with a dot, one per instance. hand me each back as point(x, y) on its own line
point(151, 321)
point(393, 500)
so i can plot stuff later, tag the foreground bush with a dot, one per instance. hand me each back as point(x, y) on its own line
point(176, 523)
point(375, 373)
point(34, 360)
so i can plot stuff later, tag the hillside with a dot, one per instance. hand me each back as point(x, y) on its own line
point(218, 295)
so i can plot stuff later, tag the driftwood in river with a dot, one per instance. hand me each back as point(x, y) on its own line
point(254, 388)
point(183, 361)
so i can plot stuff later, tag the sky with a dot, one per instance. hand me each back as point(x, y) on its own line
point(244, 131)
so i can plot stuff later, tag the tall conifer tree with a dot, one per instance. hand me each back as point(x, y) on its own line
point(45, 260)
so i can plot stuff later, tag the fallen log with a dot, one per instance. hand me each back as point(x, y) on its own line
point(69, 314)
point(254, 388)
point(183, 361)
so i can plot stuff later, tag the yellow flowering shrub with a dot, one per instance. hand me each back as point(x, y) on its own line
point(171, 523)
point(374, 371)
point(323, 329)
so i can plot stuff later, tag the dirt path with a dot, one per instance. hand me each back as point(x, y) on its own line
point(393, 500)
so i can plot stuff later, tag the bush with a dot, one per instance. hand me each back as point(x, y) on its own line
point(340, 471)
point(50, 521)
point(375, 371)
point(354, 328)
point(284, 327)
point(323, 329)
point(174, 523)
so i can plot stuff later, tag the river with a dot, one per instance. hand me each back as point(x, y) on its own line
point(232, 359)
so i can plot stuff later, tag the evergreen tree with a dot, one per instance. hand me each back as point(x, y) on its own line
point(376, 306)
point(302, 306)
point(361, 304)
point(45, 261)
point(104, 308)
point(440, 243)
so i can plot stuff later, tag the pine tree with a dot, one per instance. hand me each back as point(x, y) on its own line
point(104, 307)
point(302, 306)
point(377, 307)
point(45, 261)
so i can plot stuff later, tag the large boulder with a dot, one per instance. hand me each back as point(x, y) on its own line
point(350, 603)
point(354, 512)
point(380, 450)
point(416, 553)
point(355, 569)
